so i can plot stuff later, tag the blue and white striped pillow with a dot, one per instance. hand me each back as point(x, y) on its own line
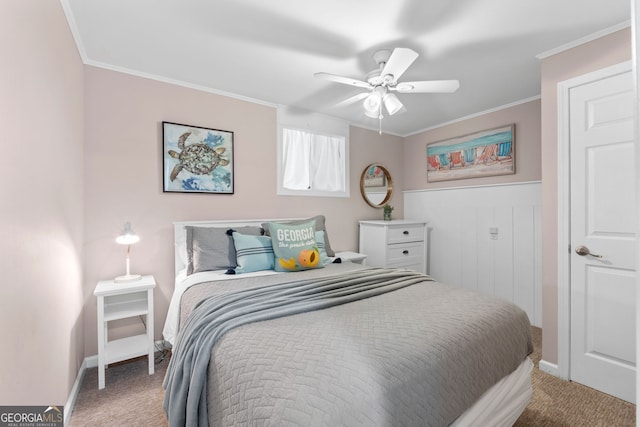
point(253, 253)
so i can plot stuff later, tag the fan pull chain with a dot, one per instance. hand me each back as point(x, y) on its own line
point(380, 119)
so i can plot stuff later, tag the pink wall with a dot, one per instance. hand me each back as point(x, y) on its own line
point(526, 117)
point(58, 231)
point(41, 327)
point(123, 160)
point(588, 57)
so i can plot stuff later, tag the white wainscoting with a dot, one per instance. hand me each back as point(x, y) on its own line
point(463, 251)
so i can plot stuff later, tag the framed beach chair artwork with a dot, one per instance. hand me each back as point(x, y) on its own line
point(486, 153)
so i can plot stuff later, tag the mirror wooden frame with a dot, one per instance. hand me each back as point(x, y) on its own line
point(387, 175)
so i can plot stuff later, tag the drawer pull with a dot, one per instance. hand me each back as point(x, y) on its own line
point(405, 252)
point(405, 232)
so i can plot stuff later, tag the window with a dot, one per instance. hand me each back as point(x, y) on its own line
point(312, 161)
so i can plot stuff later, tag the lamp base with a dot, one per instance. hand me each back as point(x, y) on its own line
point(127, 278)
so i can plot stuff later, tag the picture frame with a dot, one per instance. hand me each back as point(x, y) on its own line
point(480, 154)
point(374, 177)
point(197, 159)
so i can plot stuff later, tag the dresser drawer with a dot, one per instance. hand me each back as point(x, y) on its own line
point(401, 253)
point(415, 266)
point(408, 233)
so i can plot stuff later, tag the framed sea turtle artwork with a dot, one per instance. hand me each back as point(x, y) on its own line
point(197, 159)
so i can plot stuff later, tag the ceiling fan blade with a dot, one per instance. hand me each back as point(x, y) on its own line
point(401, 58)
point(344, 80)
point(352, 99)
point(430, 86)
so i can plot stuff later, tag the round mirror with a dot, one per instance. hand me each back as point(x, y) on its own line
point(376, 185)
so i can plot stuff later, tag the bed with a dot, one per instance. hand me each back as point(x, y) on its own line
point(337, 344)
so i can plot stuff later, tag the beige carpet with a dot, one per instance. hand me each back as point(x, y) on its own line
point(560, 403)
point(133, 398)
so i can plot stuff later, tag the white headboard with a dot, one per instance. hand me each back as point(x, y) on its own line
point(180, 234)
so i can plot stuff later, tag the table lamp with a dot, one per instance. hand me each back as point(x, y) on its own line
point(127, 237)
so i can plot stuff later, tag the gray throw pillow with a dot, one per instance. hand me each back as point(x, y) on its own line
point(211, 248)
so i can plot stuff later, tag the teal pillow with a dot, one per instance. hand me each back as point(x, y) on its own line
point(253, 253)
point(294, 246)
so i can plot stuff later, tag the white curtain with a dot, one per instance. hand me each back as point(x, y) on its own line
point(296, 147)
point(327, 173)
point(313, 161)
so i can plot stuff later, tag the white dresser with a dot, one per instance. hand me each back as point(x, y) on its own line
point(395, 243)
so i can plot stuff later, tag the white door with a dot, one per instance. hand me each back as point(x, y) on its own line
point(603, 233)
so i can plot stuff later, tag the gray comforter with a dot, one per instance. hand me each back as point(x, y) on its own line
point(415, 352)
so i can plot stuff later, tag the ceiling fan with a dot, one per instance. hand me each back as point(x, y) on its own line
point(383, 81)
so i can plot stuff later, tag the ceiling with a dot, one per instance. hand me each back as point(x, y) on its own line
point(268, 51)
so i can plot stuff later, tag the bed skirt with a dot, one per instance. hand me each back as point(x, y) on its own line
point(503, 403)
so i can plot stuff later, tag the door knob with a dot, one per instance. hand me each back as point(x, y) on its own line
point(583, 250)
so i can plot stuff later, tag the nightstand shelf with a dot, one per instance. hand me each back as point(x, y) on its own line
point(126, 348)
point(120, 301)
point(123, 309)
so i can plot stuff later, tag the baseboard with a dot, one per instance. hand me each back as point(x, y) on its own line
point(75, 390)
point(88, 363)
point(91, 361)
point(549, 368)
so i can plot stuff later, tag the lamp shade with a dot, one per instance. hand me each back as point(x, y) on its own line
point(373, 114)
point(127, 236)
point(392, 103)
point(372, 104)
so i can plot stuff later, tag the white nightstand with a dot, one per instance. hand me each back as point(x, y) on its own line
point(356, 257)
point(119, 301)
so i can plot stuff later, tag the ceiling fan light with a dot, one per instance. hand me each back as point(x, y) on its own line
point(392, 104)
point(372, 103)
point(372, 114)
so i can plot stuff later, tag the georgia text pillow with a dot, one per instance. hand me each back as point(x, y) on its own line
point(294, 246)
